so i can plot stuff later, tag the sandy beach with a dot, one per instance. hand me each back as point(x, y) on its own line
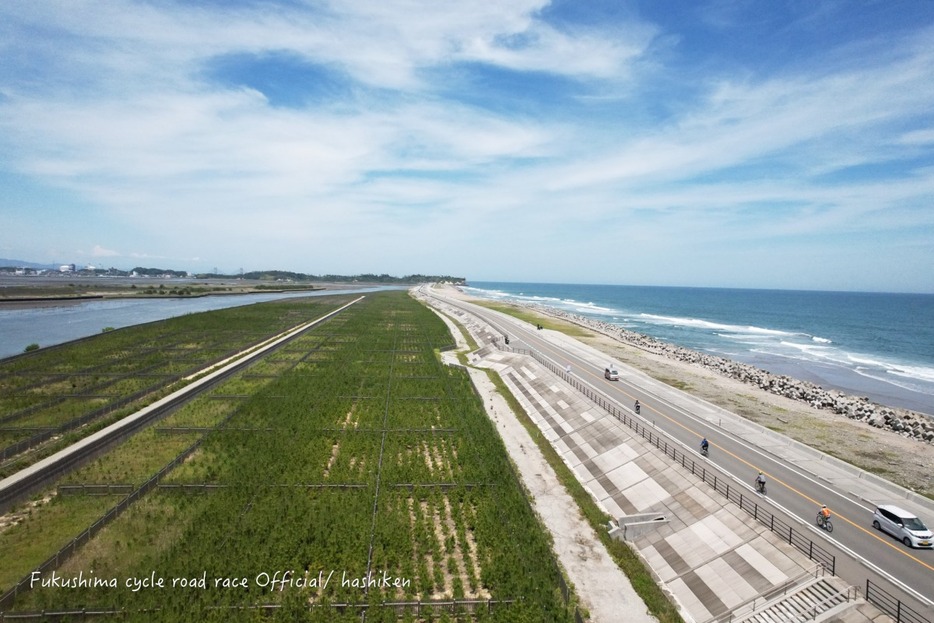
point(898, 458)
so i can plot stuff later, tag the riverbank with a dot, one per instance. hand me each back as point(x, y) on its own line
point(868, 439)
point(23, 325)
point(28, 291)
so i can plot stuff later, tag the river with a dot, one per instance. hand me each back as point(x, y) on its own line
point(48, 325)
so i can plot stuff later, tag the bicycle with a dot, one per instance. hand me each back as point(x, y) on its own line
point(824, 522)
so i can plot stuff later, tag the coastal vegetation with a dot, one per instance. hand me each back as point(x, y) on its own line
point(535, 319)
point(350, 454)
point(80, 386)
point(35, 286)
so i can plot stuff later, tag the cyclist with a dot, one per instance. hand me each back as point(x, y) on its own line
point(637, 407)
point(760, 482)
point(824, 512)
point(704, 446)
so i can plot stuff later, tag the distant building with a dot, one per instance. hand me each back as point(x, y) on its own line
point(66, 268)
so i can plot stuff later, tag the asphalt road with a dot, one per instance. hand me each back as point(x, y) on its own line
point(861, 552)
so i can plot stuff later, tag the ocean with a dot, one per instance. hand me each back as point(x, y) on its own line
point(862, 343)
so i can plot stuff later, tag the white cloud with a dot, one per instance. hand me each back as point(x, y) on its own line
point(122, 114)
point(99, 251)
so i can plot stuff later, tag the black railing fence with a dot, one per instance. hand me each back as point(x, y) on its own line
point(7, 599)
point(891, 605)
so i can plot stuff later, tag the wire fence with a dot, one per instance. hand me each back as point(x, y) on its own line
point(63, 554)
point(419, 609)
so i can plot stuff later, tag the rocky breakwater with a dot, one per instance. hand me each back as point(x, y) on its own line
point(902, 421)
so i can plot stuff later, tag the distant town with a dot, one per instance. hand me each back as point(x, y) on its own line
point(15, 268)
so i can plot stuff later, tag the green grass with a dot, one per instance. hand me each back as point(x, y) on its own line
point(43, 530)
point(533, 318)
point(676, 383)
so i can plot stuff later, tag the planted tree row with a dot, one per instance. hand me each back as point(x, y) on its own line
point(435, 511)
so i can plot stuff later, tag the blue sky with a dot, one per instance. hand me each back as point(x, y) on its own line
point(779, 144)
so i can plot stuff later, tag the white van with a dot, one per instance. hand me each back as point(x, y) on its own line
point(903, 525)
point(610, 374)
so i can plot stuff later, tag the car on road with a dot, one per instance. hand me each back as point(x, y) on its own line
point(610, 374)
point(903, 525)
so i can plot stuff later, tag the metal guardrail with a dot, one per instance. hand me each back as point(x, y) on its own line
point(756, 601)
point(889, 604)
point(96, 489)
point(892, 606)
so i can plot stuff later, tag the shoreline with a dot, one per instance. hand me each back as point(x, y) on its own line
point(896, 456)
point(861, 344)
point(912, 424)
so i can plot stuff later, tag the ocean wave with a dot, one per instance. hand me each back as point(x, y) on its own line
point(918, 378)
point(483, 293)
point(567, 304)
point(890, 377)
point(923, 373)
point(910, 371)
point(811, 349)
point(594, 308)
point(699, 323)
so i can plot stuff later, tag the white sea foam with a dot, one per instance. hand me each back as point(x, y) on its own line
point(894, 368)
point(699, 323)
point(593, 308)
point(917, 378)
point(809, 349)
point(908, 382)
point(923, 373)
